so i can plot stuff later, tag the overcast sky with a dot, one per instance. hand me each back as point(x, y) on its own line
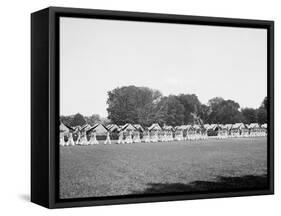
point(100, 55)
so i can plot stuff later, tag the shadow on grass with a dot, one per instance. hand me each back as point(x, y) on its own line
point(247, 182)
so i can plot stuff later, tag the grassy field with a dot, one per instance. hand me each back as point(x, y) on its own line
point(206, 165)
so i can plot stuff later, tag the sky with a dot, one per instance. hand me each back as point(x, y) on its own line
point(97, 56)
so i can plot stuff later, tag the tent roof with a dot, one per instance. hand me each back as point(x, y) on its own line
point(168, 127)
point(127, 127)
point(138, 127)
point(225, 126)
point(254, 125)
point(212, 126)
point(113, 127)
point(155, 126)
point(238, 126)
point(64, 128)
point(228, 126)
point(196, 126)
point(207, 126)
point(264, 125)
point(183, 127)
point(98, 128)
point(77, 127)
point(85, 127)
point(109, 126)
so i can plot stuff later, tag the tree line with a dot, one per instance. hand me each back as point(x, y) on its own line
point(143, 105)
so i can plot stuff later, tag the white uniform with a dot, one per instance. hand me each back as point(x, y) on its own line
point(154, 136)
point(62, 141)
point(107, 141)
point(94, 138)
point(77, 142)
point(128, 138)
point(66, 143)
point(70, 140)
point(121, 138)
point(84, 140)
point(136, 138)
point(146, 137)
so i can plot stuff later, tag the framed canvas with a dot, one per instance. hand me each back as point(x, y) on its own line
point(132, 107)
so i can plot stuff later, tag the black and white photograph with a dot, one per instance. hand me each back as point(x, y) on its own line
point(150, 108)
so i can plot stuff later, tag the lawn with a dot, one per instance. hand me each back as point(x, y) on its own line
point(205, 165)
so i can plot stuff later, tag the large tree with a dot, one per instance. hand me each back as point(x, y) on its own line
point(93, 119)
point(131, 104)
point(224, 111)
point(67, 119)
point(249, 115)
point(262, 112)
point(169, 111)
point(78, 120)
point(204, 113)
point(192, 107)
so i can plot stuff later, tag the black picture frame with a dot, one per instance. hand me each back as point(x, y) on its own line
point(45, 102)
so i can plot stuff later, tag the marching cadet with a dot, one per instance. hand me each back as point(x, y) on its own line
point(77, 136)
point(66, 139)
point(70, 140)
point(126, 135)
point(121, 137)
point(146, 137)
point(129, 138)
point(136, 137)
point(180, 135)
point(93, 140)
point(171, 137)
point(83, 140)
point(61, 140)
point(107, 141)
point(154, 136)
point(163, 136)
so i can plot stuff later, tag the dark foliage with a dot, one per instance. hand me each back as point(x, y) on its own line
point(142, 105)
point(78, 120)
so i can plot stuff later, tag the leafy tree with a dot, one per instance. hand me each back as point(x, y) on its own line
point(224, 111)
point(93, 119)
point(147, 115)
point(105, 121)
point(66, 119)
point(262, 112)
point(191, 105)
point(78, 119)
point(204, 113)
point(229, 112)
point(264, 103)
point(249, 115)
point(262, 116)
point(130, 104)
point(170, 111)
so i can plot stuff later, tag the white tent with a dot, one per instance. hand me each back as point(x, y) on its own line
point(255, 129)
point(128, 127)
point(64, 128)
point(100, 129)
point(64, 131)
point(113, 128)
point(155, 127)
point(138, 127)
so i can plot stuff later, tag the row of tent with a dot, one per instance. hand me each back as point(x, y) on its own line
point(134, 133)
